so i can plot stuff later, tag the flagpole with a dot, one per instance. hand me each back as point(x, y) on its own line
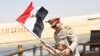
point(34, 35)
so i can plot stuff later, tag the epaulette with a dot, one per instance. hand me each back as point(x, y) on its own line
point(67, 27)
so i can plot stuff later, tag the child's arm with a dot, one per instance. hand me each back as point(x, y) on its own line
point(49, 48)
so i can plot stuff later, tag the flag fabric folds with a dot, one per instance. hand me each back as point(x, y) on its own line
point(22, 18)
point(32, 19)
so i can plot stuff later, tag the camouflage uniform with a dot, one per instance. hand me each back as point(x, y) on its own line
point(66, 34)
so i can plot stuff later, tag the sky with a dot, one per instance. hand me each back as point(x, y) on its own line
point(10, 10)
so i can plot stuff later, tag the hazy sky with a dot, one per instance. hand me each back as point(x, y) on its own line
point(11, 9)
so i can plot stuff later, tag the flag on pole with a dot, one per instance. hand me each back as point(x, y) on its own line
point(32, 19)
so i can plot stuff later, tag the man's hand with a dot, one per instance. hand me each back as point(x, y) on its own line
point(66, 51)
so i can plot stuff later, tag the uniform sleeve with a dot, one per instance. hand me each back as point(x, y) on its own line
point(73, 38)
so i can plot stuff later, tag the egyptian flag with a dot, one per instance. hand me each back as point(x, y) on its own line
point(32, 19)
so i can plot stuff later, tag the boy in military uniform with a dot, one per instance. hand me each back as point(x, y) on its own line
point(60, 46)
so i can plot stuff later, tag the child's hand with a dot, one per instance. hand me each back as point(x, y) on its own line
point(66, 51)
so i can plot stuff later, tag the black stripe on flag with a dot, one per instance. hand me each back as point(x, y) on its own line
point(39, 26)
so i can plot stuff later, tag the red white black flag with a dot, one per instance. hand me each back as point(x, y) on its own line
point(32, 19)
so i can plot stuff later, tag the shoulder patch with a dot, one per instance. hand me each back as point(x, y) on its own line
point(67, 27)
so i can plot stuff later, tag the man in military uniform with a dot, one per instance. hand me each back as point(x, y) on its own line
point(66, 34)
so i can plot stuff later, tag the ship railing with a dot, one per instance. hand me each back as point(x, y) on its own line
point(21, 51)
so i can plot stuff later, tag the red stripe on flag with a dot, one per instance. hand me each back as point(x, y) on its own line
point(26, 14)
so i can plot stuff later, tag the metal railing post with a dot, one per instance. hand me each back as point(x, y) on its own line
point(20, 50)
point(34, 51)
point(41, 51)
point(48, 53)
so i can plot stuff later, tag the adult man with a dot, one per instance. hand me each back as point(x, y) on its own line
point(66, 34)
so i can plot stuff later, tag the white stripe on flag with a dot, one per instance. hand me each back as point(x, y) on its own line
point(29, 24)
